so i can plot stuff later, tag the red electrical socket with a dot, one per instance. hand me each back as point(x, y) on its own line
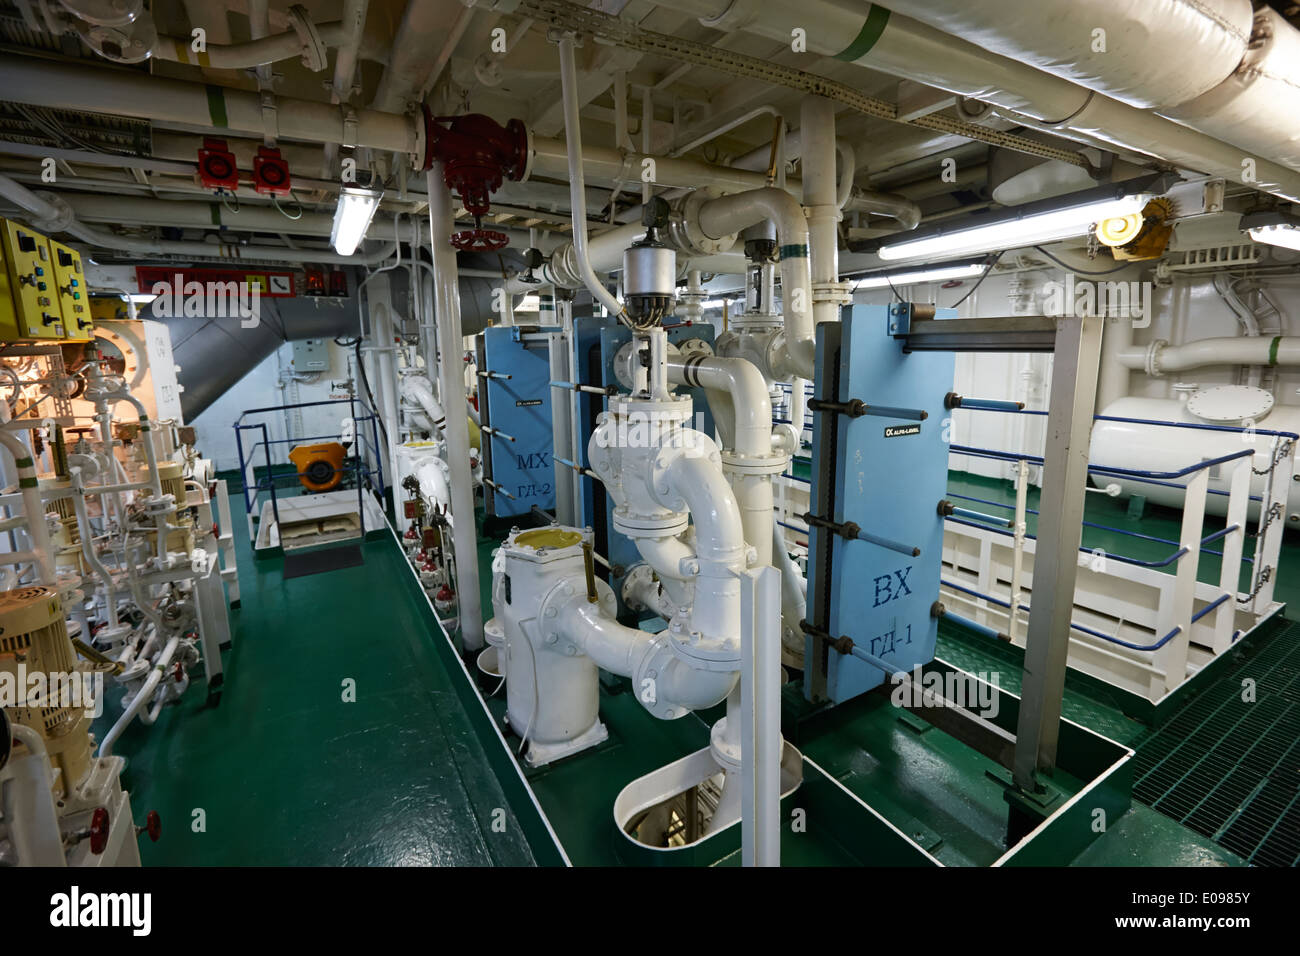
point(217, 169)
point(271, 173)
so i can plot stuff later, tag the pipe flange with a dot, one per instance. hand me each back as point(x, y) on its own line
point(738, 15)
point(649, 669)
point(1152, 359)
point(64, 215)
point(737, 464)
point(641, 576)
point(702, 652)
point(315, 55)
point(838, 292)
point(666, 525)
point(727, 755)
point(684, 232)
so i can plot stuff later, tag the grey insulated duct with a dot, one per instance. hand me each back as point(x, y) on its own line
point(215, 353)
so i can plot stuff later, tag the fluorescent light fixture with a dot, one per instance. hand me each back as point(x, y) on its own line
point(142, 298)
point(1273, 227)
point(715, 303)
point(1046, 221)
point(352, 217)
point(880, 280)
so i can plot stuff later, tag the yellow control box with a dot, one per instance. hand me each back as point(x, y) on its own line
point(109, 308)
point(74, 299)
point(33, 310)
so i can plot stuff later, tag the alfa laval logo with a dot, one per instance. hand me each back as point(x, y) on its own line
point(897, 431)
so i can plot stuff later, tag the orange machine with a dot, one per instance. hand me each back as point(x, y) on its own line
point(320, 467)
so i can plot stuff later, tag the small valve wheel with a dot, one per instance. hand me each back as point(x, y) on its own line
point(479, 240)
point(152, 826)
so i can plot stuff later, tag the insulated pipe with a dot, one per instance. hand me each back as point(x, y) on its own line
point(728, 214)
point(906, 48)
point(451, 386)
point(1159, 357)
point(199, 107)
point(412, 64)
point(577, 185)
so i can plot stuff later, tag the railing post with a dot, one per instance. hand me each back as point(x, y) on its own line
point(1273, 519)
point(1172, 658)
point(1018, 550)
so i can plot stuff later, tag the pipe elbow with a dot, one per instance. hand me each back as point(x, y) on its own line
point(893, 205)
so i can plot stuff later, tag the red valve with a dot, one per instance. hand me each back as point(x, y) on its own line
point(410, 533)
point(477, 153)
point(216, 532)
point(153, 825)
point(271, 172)
point(179, 672)
point(99, 826)
point(217, 168)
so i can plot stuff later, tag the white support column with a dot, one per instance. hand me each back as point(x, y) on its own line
point(760, 697)
point(451, 374)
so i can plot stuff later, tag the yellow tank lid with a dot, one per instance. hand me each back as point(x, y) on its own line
point(549, 538)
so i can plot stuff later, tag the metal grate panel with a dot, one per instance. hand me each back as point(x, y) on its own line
point(1229, 767)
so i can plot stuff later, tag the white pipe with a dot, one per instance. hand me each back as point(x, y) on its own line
point(1262, 350)
point(197, 106)
point(140, 699)
point(413, 67)
point(577, 185)
point(719, 542)
point(419, 391)
point(452, 390)
point(721, 217)
point(261, 51)
point(88, 548)
point(38, 531)
point(817, 120)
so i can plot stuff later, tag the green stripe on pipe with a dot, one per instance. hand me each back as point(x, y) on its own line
point(1272, 349)
point(24, 463)
point(28, 482)
point(217, 106)
point(215, 212)
point(871, 30)
point(794, 252)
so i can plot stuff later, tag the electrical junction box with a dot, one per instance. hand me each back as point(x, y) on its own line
point(885, 474)
point(311, 355)
point(34, 307)
point(74, 299)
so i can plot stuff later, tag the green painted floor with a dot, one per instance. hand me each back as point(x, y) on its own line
point(284, 771)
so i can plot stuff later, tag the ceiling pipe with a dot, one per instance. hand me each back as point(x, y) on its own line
point(1244, 89)
point(183, 105)
point(255, 53)
point(903, 47)
point(411, 69)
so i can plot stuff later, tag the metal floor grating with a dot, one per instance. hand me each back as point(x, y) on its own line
point(1228, 768)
